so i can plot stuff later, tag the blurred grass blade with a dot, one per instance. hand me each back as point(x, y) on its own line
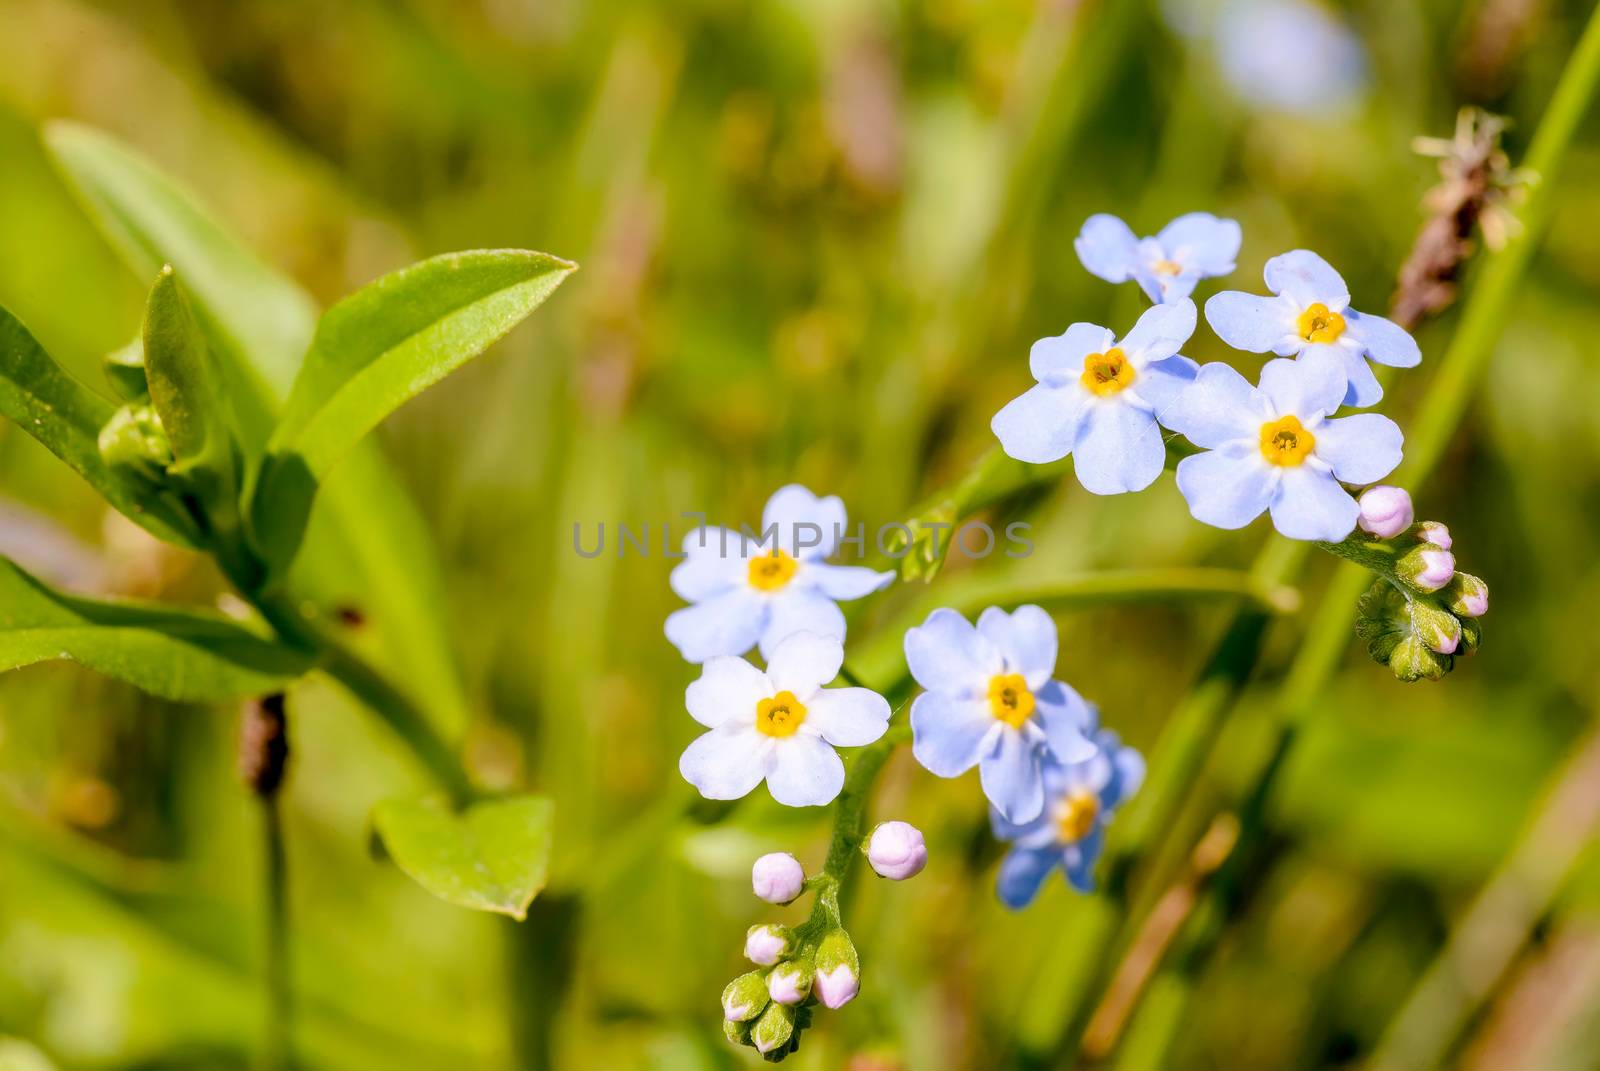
point(66, 417)
point(367, 547)
point(186, 391)
point(184, 655)
point(378, 349)
point(494, 856)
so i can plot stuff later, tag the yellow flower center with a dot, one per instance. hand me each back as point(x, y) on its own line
point(1317, 324)
point(771, 572)
point(1009, 699)
point(1075, 816)
point(1168, 267)
point(1105, 374)
point(1286, 441)
point(781, 715)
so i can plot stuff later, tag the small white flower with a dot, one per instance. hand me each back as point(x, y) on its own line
point(777, 877)
point(760, 591)
point(780, 725)
point(897, 851)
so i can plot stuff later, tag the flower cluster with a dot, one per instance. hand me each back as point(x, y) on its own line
point(1274, 447)
point(991, 700)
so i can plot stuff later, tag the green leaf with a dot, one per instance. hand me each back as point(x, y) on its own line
point(186, 390)
point(367, 545)
point(494, 856)
point(184, 655)
point(67, 417)
point(376, 350)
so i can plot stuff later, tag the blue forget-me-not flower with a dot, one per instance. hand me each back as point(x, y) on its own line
point(991, 703)
point(1290, 55)
point(1273, 447)
point(1099, 399)
point(1309, 315)
point(1070, 831)
point(779, 724)
point(748, 591)
point(1167, 267)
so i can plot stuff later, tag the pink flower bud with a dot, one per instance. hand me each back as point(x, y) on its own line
point(1438, 566)
point(1385, 511)
point(837, 987)
point(1436, 533)
point(790, 983)
point(766, 945)
point(896, 850)
point(777, 877)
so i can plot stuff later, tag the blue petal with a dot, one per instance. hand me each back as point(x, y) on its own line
point(1170, 289)
point(848, 717)
point(1026, 639)
point(804, 771)
point(1160, 332)
point(802, 517)
point(1309, 388)
point(1161, 382)
point(1079, 860)
point(1040, 425)
point(1306, 279)
point(1066, 719)
point(729, 624)
point(1202, 243)
point(1010, 777)
point(946, 654)
point(1226, 489)
point(947, 734)
point(727, 762)
point(1361, 448)
point(1107, 247)
point(844, 581)
point(1119, 449)
point(1250, 322)
point(1311, 505)
point(1385, 341)
point(1129, 766)
point(798, 609)
point(803, 662)
point(1362, 387)
point(1057, 361)
point(1218, 408)
point(712, 564)
point(1022, 874)
point(727, 689)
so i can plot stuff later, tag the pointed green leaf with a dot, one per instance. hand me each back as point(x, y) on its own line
point(367, 545)
point(184, 655)
point(494, 856)
point(379, 348)
point(186, 390)
point(67, 417)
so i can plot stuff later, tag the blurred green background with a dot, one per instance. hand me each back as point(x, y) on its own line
point(817, 238)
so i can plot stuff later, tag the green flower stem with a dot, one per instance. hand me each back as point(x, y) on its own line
point(1431, 430)
point(277, 1048)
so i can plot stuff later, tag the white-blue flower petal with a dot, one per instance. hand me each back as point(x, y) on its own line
point(1310, 504)
point(799, 609)
point(1226, 488)
point(1066, 719)
point(1361, 448)
point(726, 624)
point(843, 581)
point(1107, 247)
point(1022, 874)
point(804, 661)
point(1309, 388)
point(1216, 409)
point(1119, 449)
point(848, 717)
point(727, 688)
point(713, 564)
point(1383, 340)
point(1026, 639)
point(1057, 361)
point(1202, 243)
point(1160, 332)
point(1161, 382)
point(1009, 773)
point(946, 654)
point(1041, 424)
point(727, 762)
point(1252, 323)
point(804, 771)
point(948, 733)
point(1306, 279)
point(802, 517)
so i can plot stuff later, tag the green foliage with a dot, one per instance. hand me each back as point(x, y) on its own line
point(378, 349)
point(64, 415)
point(183, 655)
point(493, 856)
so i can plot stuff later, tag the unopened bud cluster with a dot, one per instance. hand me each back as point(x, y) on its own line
point(814, 963)
point(1422, 612)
